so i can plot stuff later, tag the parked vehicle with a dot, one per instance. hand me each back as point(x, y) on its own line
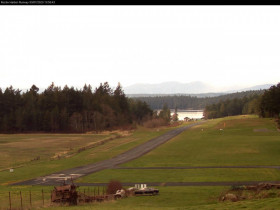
point(142, 189)
point(120, 194)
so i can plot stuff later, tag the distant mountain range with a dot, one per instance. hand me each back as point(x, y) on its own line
point(192, 88)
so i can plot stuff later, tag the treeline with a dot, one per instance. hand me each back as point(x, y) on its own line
point(265, 105)
point(69, 109)
point(270, 102)
point(194, 102)
point(245, 105)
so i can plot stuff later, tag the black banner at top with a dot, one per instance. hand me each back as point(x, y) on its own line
point(136, 2)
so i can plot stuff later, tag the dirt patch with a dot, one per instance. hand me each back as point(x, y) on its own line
point(127, 141)
point(67, 154)
point(114, 135)
point(60, 154)
point(118, 132)
point(259, 191)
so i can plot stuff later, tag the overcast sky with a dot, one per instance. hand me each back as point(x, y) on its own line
point(74, 45)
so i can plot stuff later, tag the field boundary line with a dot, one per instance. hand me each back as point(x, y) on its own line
point(187, 184)
point(193, 167)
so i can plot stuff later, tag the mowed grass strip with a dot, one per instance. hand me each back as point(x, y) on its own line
point(183, 175)
point(232, 141)
point(241, 142)
point(33, 169)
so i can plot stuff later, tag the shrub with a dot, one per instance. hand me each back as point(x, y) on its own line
point(153, 123)
point(113, 186)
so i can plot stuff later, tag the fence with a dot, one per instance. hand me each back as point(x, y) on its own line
point(28, 199)
point(24, 199)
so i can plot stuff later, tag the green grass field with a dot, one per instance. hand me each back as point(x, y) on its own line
point(243, 141)
point(183, 175)
point(239, 143)
point(22, 155)
point(169, 198)
point(18, 149)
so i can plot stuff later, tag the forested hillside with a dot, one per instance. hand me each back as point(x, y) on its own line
point(265, 105)
point(68, 109)
point(193, 102)
point(270, 102)
point(236, 106)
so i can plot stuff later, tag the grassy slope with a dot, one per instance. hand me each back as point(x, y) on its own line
point(18, 149)
point(32, 169)
point(243, 141)
point(238, 144)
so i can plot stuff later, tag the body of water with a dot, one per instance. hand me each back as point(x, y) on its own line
point(192, 114)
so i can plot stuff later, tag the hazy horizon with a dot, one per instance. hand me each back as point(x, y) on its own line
point(166, 88)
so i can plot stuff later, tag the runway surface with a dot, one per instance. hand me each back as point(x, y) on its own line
point(136, 152)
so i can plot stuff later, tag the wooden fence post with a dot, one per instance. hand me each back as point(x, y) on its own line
point(51, 196)
point(43, 197)
point(30, 198)
point(10, 201)
point(20, 200)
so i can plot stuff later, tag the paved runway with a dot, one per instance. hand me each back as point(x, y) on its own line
point(138, 151)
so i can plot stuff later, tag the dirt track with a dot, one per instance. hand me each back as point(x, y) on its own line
point(57, 178)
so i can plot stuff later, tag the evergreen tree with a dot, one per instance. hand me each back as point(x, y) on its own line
point(165, 113)
point(270, 102)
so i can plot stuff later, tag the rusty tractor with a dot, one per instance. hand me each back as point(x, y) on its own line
point(65, 193)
